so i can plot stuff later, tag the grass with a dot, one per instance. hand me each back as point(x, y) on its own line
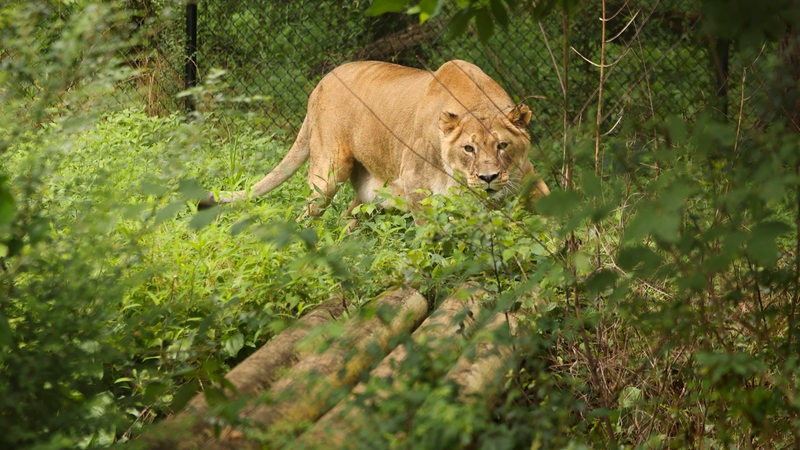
point(192, 294)
point(202, 290)
point(159, 298)
point(659, 292)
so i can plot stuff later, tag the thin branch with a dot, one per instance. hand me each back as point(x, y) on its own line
point(619, 119)
point(599, 117)
point(614, 16)
point(567, 157)
point(643, 60)
point(633, 85)
point(741, 112)
point(625, 27)
point(561, 82)
point(600, 65)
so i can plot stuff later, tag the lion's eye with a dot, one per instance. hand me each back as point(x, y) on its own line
point(502, 145)
point(469, 149)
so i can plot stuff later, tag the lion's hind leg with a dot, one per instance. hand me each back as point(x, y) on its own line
point(325, 176)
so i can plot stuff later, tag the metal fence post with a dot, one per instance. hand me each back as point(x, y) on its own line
point(190, 75)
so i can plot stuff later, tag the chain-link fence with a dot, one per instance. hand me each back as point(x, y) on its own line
point(657, 61)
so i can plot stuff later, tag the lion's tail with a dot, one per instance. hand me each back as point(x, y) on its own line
point(290, 163)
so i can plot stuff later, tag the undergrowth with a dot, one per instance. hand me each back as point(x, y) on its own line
point(186, 294)
point(657, 285)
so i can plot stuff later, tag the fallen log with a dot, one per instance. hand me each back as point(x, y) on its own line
point(193, 425)
point(309, 388)
point(477, 377)
point(292, 394)
point(478, 372)
point(441, 334)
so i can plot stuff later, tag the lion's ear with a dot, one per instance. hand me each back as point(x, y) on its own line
point(520, 116)
point(448, 122)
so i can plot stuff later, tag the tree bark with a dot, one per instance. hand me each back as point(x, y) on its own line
point(304, 393)
point(253, 375)
point(442, 335)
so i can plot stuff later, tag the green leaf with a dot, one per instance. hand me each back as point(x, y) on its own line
point(192, 190)
point(148, 187)
point(694, 282)
point(591, 185)
point(282, 234)
point(5, 332)
point(6, 203)
point(558, 204)
point(379, 7)
point(202, 219)
point(429, 8)
point(652, 221)
point(215, 396)
point(184, 394)
point(169, 212)
point(241, 225)
point(459, 23)
point(154, 391)
point(135, 211)
point(233, 343)
point(629, 397)
point(484, 24)
point(673, 196)
point(499, 12)
point(309, 237)
point(763, 245)
point(677, 130)
point(720, 366)
point(662, 216)
point(601, 281)
point(640, 259)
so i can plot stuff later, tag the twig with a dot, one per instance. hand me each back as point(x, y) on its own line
point(599, 117)
point(795, 300)
point(601, 65)
point(633, 85)
point(625, 27)
point(567, 157)
point(741, 112)
point(613, 127)
point(561, 83)
point(647, 85)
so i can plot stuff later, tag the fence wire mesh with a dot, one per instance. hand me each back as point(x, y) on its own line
point(657, 60)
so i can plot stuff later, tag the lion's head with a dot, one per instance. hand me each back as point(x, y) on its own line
point(487, 147)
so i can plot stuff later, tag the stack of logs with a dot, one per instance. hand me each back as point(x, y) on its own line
point(293, 389)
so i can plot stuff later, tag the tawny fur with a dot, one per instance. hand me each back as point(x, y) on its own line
point(383, 125)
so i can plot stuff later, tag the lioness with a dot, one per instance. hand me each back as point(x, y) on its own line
point(384, 125)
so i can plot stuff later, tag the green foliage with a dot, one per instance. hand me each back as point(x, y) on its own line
point(680, 258)
point(485, 15)
point(746, 23)
point(657, 288)
point(691, 284)
point(277, 49)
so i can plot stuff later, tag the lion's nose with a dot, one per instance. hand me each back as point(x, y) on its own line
point(488, 178)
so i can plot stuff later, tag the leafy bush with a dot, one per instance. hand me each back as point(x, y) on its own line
point(658, 289)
